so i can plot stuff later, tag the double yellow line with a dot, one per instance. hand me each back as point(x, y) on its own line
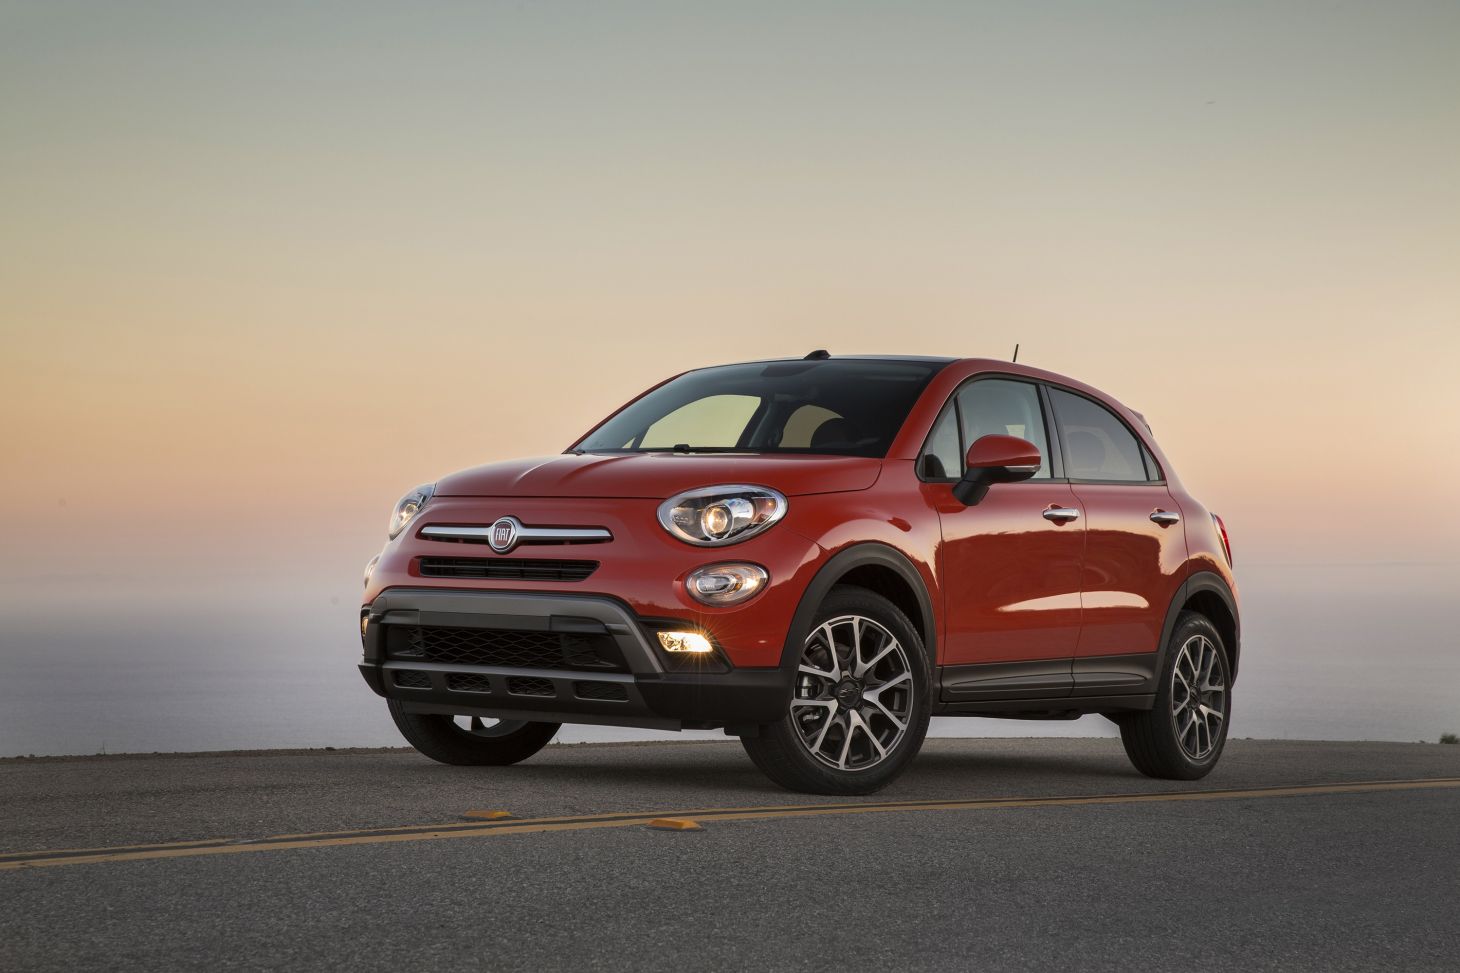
point(224, 846)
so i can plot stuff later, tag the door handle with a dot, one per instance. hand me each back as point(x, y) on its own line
point(1061, 515)
point(1165, 518)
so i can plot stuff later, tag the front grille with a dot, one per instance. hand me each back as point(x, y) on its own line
point(468, 682)
point(504, 647)
point(600, 690)
point(506, 568)
point(529, 686)
point(412, 679)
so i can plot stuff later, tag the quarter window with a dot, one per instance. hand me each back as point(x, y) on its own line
point(1097, 445)
point(943, 459)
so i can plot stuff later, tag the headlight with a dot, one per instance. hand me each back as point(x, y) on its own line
point(712, 516)
point(408, 507)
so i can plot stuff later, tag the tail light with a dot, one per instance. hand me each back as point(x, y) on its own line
point(1222, 533)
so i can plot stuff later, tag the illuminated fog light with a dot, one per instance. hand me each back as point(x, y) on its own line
point(692, 642)
point(725, 584)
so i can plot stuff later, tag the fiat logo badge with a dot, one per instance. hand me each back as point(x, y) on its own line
point(504, 534)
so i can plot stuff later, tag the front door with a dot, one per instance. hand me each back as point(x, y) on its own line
point(1010, 564)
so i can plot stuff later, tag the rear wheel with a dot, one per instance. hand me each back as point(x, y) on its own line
point(471, 740)
point(1182, 736)
point(860, 706)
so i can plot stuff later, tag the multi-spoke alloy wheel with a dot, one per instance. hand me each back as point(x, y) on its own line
point(1181, 736)
point(854, 693)
point(1198, 697)
point(860, 700)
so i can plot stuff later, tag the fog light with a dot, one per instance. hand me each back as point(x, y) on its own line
point(364, 625)
point(692, 642)
point(725, 584)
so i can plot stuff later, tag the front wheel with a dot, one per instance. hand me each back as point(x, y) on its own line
point(470, 741)
point(1182, 736)
point(861, 701)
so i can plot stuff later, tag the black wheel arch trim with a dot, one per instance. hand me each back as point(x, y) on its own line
point(1198, 583)
point(837, 567)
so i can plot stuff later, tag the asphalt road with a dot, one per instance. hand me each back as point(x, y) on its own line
point(989, 854)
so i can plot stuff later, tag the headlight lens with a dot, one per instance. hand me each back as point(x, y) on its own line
point(725, 584)
point(712, 516)
point(406, 510)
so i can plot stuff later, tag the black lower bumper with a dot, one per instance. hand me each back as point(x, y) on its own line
point(637, 686)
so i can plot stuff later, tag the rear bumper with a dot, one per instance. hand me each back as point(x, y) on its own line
point(636, 684)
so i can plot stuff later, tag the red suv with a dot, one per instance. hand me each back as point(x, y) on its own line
point(816, 555)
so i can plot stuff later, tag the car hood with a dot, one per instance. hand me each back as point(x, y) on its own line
point(659, 475)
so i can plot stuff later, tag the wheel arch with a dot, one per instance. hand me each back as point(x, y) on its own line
point(879, 568)
point(1208, 595)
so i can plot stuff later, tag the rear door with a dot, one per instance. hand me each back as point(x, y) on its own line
point(1135, 546)
point(1011, 574)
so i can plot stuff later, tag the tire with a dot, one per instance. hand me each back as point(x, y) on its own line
point(485, 743)
point(841, 733)
point(1182, 736)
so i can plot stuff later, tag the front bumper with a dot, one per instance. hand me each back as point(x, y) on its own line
point(605, 668)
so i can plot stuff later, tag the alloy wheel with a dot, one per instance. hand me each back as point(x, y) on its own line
point(1198, 697)
point(854, 693)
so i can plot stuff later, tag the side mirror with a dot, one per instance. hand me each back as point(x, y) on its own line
point(995, 459)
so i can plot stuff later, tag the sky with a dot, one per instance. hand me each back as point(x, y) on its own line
point(264, 267)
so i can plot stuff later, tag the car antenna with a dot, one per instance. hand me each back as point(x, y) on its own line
point(820, 354)
point(1016, 352)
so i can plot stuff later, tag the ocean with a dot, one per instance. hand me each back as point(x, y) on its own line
point(1330, 652)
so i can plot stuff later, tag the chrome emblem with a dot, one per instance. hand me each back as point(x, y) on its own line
point(505, 534)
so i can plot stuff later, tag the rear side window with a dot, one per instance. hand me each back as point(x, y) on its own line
point(1097, 445)
point(1005, 408)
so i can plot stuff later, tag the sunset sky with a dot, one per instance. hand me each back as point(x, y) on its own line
point(263, 268)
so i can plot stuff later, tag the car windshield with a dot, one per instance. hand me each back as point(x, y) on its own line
point(845, 407)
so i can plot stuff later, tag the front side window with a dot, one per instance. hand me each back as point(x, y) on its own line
point(1098, 446)
point(1005, 408)
point(845, 407)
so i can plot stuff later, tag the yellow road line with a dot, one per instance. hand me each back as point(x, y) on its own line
point(192, 849)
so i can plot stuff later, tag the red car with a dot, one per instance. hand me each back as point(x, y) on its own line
point(816, 555)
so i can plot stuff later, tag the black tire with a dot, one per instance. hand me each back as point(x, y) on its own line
point(441, 739)
point(1160, 742)
point(779, 750)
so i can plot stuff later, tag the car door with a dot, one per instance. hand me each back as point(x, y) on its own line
point(1010, 564)
point(1135, 547)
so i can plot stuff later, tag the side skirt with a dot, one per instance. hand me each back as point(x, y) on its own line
point(1058, 708)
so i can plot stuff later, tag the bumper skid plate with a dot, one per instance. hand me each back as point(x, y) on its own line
point(626, 685)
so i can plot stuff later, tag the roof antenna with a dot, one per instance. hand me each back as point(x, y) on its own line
point(1016, 351)
point(820, 354)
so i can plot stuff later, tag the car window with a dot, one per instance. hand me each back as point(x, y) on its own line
point(943, 457)
point(1005, 408)
point(716, 420)
point(1098, 446)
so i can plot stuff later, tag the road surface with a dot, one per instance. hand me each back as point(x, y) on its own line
point(988, 854)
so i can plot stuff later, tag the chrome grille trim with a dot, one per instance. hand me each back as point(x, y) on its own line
point(473, 534)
